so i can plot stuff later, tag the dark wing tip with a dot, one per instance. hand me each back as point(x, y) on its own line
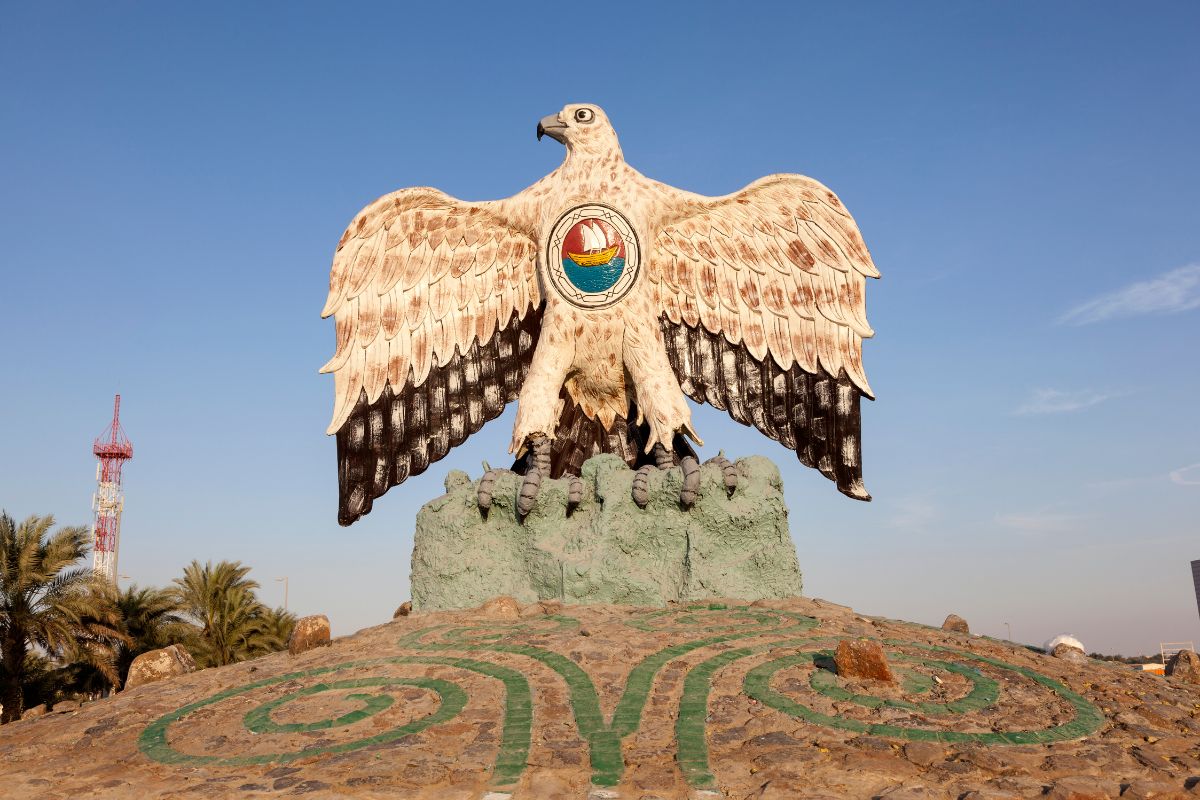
point(856, 491)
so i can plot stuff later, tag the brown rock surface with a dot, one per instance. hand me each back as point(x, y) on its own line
point(724, 698)
point(1083, 788)
point(503, 607)
point(1185, 665)
point(309, 632)
point(862, 658)
point(158, 665)
point(1154, 790)
point(956, 624)
point(924, 753)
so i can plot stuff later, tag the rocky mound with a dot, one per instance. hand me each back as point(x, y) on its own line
point(708, 701)
point(606, 548)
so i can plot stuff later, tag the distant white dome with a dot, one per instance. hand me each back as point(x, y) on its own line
point(1063, 638)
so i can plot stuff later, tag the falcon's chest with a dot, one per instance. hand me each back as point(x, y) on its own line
point(592, 248)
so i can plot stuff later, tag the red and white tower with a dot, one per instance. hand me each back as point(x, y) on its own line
point(112, 449)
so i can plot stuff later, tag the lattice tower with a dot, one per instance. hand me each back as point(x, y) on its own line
point(108, 501)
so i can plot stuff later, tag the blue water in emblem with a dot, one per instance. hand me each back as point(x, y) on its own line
point(594, 279)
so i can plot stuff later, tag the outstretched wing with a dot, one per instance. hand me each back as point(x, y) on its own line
point(763, 310)
point(437, 310)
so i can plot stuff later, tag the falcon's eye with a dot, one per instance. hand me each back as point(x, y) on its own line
point(584, 115)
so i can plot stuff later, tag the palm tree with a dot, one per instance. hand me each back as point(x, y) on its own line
point(279, 623)
point(233, 623)
point(49, 603)
point(42, 682)
point(151, 618)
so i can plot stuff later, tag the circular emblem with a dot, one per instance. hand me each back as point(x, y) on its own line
point(592, 256)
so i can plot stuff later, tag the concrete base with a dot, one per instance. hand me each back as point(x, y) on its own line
point(608, 550)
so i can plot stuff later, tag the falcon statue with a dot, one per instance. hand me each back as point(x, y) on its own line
point(599, 300)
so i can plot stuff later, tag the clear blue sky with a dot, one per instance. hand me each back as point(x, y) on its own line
point(173, 179)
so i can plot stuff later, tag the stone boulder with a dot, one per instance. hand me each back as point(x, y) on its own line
point(607, 549)
point(158, 665)
point(1185, 665)
point(956, 624)
point(309, 632)
point(35, 712)
point(862, 658)
point(502, 608)
point(1069, 652)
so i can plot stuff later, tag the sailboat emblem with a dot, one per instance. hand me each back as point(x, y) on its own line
point(596, 244)
point(592, 255)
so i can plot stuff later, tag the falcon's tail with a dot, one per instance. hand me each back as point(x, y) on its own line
point(578, 437)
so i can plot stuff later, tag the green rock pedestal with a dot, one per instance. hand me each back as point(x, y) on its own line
point(608, 550)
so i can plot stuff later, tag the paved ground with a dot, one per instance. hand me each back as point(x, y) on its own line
point(717, 700)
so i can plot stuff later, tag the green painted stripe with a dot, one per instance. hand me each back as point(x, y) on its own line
point(914, 682)
point(691, 724)
point(688, 621)
point(259, 719)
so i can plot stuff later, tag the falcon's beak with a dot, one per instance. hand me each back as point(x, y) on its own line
point(550, 126)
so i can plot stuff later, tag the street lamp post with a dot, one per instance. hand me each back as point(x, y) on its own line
point(285, 591)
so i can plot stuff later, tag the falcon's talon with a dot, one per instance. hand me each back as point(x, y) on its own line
point(729, 473)
point(691, 481)
point(531, 485)
point(574, 493)
point(539, 468)
point(483, 494)
point(641, 486)
point(663, 458)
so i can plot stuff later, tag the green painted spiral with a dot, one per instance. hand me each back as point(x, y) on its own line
point(514, 743)
point(984, 694)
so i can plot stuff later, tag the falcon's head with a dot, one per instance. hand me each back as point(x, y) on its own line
point(582, 127)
